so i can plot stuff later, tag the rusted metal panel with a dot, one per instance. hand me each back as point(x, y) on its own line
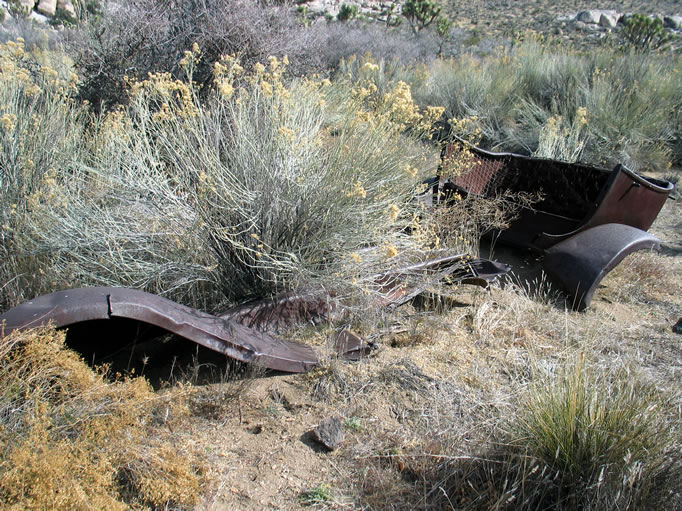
point(243, 333)
point(575, 196)
point(581, 262)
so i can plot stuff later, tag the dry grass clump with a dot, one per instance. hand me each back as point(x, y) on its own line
point(70, 439)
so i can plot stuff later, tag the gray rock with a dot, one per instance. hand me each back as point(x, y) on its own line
point(674, 22)
point(27, 4)
point(329, 433)
point(67, 5)
point(592, 16)
point(38, 18)
point(47, 7)
point(608, 20)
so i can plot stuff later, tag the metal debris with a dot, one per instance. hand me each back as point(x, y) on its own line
point(587, 220)
point(243, 333)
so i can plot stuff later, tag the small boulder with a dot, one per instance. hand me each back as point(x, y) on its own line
point(67, 5)
point(38, 18)
point(27, 4)
point(329, 433)
point(608, 20)
point(674, 22)
point(47, 7)
point(592, 16)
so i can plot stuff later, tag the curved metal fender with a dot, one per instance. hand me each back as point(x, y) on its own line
point(223, 335)
point(579, 263)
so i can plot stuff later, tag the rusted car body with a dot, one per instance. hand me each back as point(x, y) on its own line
point(585, 222)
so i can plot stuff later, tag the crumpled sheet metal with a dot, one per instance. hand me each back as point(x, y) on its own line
point(397, 287)
point(245, 332)
point(226, 336)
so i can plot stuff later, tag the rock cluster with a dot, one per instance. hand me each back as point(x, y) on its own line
point(371, 9)
point(41, 10)
point(599, 19)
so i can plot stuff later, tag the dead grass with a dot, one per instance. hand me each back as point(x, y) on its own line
point(73, 439)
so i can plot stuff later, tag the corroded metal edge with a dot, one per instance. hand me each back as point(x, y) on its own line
point(579, 263)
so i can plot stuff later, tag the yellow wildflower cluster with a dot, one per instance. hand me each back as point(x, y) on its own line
point(269, 80)
point(467, 128)
point(288, 134)
point(225, 72)
point(27, 72)
point(8, 122)
point(410, 170)
point(357, 191)
point(581, 115)
point(369, 67)
point(362, 92)
point(390, 251)
point(355, 258)
point(174, 96)
point(190, 59)
point(458, 161)
point(402, 107)
point(394, 212)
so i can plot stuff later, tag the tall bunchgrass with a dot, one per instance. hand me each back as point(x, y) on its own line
point(578, 438)
point(630, 102)
point(72, 439)
point(601, 439)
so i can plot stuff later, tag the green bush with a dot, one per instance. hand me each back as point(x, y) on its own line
point(62, 17)
point(644, 33)
point(347, 12)
point(261, 186)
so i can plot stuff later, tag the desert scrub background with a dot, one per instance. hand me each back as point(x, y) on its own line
point(41, 135)
point(626, 106)
point(71, 438)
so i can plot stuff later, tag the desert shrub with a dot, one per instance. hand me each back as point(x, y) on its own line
point(40, 136)
point(135, 38)
point(335, 42)
point(625, 105)
point(644, 33)
point(73, 440)
point(384, 74)
point(347, 12)
point(34, 36)
point(262, 186)
point(578, 439)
